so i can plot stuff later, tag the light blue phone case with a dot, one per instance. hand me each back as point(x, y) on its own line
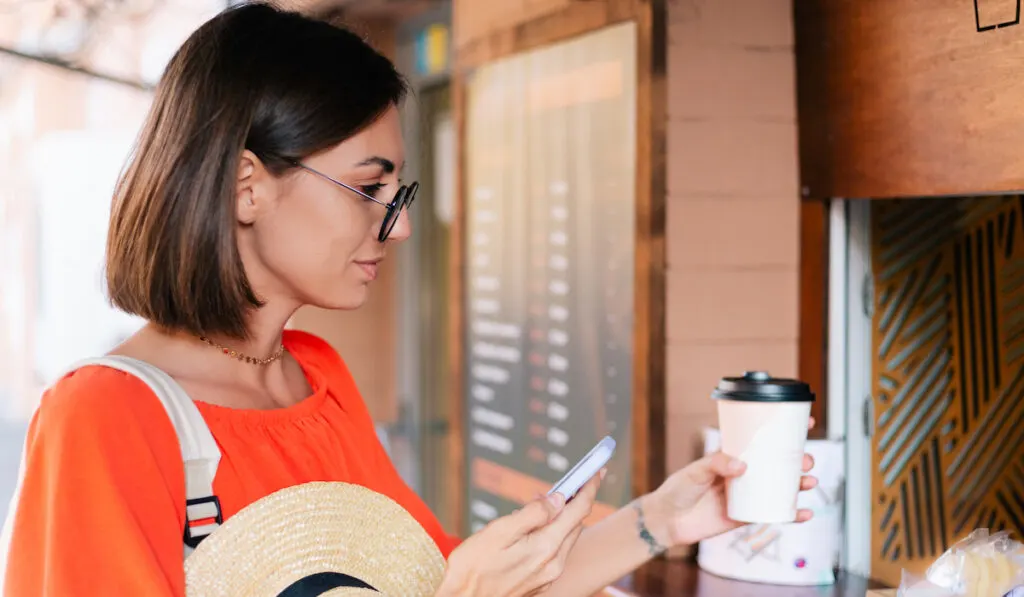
point(585, 469)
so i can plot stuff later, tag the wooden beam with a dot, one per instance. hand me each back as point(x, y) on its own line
point(370, 9)
point(813, 344)
point(571, 19)
point(457, 465)
point(67, 65)
point(650, 412)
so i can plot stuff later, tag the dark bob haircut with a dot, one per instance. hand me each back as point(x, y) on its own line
point(280, 84)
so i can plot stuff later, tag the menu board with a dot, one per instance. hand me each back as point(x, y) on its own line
point(549, 248)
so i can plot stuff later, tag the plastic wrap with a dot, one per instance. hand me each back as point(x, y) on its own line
point(981, 565)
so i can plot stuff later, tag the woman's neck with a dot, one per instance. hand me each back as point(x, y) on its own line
point(264, 331)
point(186, 354)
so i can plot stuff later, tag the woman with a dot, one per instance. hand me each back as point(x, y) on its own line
point(267, 178)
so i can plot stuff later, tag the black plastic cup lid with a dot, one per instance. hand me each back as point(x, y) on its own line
point(759, 386)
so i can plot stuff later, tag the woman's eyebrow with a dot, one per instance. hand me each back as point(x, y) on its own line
point(385, 164)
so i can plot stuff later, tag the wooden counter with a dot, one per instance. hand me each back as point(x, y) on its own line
point(685, 579)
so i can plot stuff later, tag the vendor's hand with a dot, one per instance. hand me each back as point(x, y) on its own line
point(691, 506)
point(521, 554)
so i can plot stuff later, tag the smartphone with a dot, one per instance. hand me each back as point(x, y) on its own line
point(585, 469)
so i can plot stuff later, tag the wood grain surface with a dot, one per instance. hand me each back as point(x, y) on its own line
point(902, 98)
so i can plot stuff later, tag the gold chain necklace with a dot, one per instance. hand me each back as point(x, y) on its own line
point(242, 357)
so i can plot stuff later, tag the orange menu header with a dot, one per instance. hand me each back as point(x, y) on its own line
point(520, 488)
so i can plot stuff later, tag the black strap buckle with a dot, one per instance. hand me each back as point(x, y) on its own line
point(193, 541)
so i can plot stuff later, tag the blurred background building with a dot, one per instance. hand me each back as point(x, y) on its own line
point(75, 80)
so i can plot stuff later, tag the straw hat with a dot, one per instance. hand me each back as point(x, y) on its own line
point(317, 539)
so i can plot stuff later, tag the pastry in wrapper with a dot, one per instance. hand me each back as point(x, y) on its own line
point(981, 565)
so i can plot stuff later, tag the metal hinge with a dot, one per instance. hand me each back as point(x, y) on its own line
point(868, 414)
point(867, 295)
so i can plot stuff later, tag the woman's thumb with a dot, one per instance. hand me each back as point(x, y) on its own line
point(708, 469)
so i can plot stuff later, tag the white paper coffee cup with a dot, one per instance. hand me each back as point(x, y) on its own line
point(763, 422)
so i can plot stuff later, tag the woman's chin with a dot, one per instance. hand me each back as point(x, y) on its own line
point(346, 300)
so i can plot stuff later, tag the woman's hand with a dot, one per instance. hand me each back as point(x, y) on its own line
point(690, 505)
point(521, 554)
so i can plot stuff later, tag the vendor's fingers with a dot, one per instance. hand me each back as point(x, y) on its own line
point(808, 462)
point(808, 482)
point(804, 515)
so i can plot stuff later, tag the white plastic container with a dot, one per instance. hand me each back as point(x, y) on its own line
point(785, 553)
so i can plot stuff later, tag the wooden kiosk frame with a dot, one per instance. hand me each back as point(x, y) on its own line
point(915, 107)
point(556, 21)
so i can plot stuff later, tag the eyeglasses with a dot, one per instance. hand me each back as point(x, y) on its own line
point(403, 200)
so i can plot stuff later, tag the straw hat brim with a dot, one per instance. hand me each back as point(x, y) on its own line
point(312, 528)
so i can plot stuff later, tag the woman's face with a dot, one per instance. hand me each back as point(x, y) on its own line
point(305, 239)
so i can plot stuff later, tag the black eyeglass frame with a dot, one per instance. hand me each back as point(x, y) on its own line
point(403, 199)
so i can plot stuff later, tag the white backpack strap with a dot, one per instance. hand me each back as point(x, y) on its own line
point(199, 451)
point(8, 528)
